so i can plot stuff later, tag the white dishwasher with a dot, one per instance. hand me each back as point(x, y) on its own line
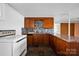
point(19, 48)
point(12, 45)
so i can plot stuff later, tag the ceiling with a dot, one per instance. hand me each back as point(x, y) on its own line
point(47, 9)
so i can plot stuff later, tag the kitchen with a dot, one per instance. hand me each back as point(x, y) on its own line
point(29, 29)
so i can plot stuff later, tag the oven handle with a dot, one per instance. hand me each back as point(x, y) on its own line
point(20, 40)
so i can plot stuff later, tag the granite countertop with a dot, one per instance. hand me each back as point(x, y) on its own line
point(37, 33)
point(67, 38)
point(63, 37)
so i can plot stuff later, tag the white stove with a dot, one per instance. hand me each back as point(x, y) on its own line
point(11, 44)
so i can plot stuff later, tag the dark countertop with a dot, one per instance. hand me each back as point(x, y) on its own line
point(67, 38)
point(63, 37)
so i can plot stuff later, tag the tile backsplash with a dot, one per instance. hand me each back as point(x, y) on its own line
point(37, 30)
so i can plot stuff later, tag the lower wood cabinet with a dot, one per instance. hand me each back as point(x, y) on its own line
point(30, 40)
point(51, 41)
point(38, 39)
point(74, 49)
point(60, 46)
point(46, 39)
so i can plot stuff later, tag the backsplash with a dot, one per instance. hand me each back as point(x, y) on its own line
point(40, 30)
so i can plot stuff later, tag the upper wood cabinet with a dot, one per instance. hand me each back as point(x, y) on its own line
point(74, 29)
point(64, 28)
point(76, 26)
point(48, 22)
point(29, 23)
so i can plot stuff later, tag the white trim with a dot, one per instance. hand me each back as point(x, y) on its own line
point(69, 26)
point(2, 11)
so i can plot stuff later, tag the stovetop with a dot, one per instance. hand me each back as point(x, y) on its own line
point(8, 36)
point(7, 33)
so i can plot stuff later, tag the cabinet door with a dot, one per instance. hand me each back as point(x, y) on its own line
point(73, 48)
point(52, 41)
point(48, 23)
point(76, 30)
point(26, 23)
point(58, 45)
point(40, 39)
point(29, 23)
point(30, 40)
point(62, 46)
point(36, 40)
point(72, 27)
point(64, 28)
point(45, 40)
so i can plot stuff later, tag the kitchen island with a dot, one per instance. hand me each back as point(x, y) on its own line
point(64, 45)
point(61, 44)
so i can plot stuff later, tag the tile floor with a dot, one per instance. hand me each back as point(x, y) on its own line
point(40, 51)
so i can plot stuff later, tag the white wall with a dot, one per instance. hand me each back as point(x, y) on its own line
point(12, 20)
point(57, 28)
point(49, 9)
point(57, 25)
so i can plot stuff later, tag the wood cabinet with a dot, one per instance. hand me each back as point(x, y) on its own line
point(64, 28)
point(42, 39)
point(38, 40)
point(46, 39)
point(57, 44)
point(30, 40)
point(74, 29)
point(48, 22)
point(28, 23)
point(51, 41)
point(74, 48)
point(60, 46)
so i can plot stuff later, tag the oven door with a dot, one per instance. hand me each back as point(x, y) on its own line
point(19, 47)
